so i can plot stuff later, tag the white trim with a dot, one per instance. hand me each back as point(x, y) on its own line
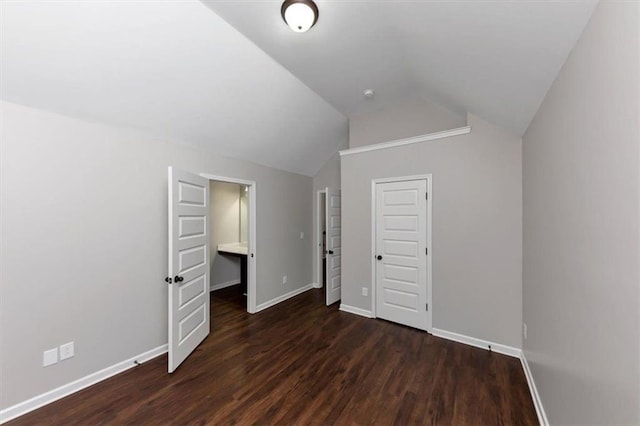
point(357, 311)
point(317, 257)
point(284, 297)
point(316, 285)
point(228, 179)
point(224, 285)
point(252, 257)
point(537, 402)
point(478, 343)
point(429, 178)
point(400, 142)
point(41, 400)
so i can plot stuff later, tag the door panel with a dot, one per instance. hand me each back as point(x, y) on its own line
point(401, 240)
point(189, 261)
point(334, 243)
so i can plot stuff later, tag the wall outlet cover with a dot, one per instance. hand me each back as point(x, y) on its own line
point(284, 279)
point(365, 291)
point(524, 330)
point(50, 357)
point(302, 235)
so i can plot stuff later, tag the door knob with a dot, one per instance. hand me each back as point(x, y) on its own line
point(178, 279)
point(379, 257)
point(330, 251)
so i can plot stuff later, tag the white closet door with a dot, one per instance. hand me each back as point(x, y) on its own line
point(401, 258)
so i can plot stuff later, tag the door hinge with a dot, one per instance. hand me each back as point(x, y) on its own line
point(426, 251)
point(427, 306)
point(426, 195)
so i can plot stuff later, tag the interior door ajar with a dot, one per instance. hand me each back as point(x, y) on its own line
point(401, 252)
point(188, 278)
point(333, 229)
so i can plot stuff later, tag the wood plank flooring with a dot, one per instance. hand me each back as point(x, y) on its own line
point(303, 363)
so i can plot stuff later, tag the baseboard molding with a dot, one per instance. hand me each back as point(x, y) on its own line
point(537, 402)
point(282, 298)
point(36, 402)
point(478, 343)
point(224, 285)
point(316, 285)
point(357, 311)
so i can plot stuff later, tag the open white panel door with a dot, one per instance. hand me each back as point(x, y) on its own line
point(333, 227)
point(188, 264)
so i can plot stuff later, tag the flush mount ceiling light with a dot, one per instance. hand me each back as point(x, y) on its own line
point(300, 15)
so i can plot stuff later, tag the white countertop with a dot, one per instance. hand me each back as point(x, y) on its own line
point(236, 248)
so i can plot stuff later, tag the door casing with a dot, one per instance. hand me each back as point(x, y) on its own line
point(374, 182)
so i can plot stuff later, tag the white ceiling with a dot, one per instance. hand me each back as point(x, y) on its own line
point(178, 70)
point(495, 59)
point(172, 68)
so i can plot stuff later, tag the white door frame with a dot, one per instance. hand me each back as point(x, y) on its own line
point(251, 257)
point(318, 249)
point(374, 182)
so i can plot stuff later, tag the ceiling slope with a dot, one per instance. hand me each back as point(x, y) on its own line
point(495, 59)
point(175, 69)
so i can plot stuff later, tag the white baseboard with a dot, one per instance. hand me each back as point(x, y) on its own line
point(478, 343)
point(282, 298)
point(537, 402)
point(316, 285)
point(353, 310)
point(77, 385)
point(224, 285)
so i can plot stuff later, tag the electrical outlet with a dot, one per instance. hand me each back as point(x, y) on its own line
point(365, 291)
point(284, 279)
point(524, 330)
point(302, 235)
point(50, 357)
point(66, 351)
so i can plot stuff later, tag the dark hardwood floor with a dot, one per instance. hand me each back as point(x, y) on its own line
point(303, 363)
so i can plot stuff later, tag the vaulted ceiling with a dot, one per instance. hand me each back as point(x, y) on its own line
point(495, 59)
point(257, 91)
point(174, 69)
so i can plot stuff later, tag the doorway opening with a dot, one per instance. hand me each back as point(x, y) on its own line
point(229, 228)
point(233, 238)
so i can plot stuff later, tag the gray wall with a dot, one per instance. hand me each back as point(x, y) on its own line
point(225, 228)
point(407, 118)
point(84, 242)
point(477, 228)
point(581, 230)
point(328, 176)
